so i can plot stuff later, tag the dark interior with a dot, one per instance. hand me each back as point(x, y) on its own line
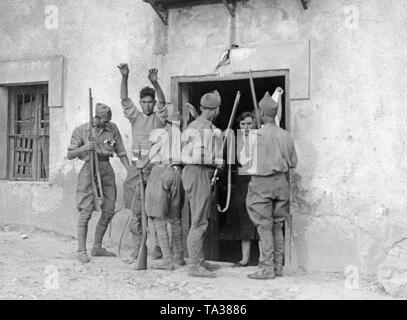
point(228, 90)
point(216, 249)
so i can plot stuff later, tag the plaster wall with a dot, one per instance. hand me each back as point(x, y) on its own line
point(347, 109)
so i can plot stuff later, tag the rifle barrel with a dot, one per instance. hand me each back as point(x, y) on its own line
point(94, 165)
point(141, 263)
point(231, 119)
point(254, 98)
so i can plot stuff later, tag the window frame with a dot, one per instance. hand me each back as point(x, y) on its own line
point(41, 93)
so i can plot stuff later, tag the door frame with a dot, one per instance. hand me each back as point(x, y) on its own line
point(179, 93)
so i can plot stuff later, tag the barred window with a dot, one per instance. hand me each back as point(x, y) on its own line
point(28, 133)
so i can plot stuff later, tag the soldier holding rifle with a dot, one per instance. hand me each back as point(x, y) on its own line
point(107, 141)
point(199, 155)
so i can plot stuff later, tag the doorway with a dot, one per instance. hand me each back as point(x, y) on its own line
point(191, 89)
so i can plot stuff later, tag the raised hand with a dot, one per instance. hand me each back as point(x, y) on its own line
point(124, 69)
point(153, 75)
point(191, 109)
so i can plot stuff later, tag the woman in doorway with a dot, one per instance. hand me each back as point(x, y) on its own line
point(238, 225)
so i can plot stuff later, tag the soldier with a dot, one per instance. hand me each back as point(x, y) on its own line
point(107, 141)
point(268, 193)
point(201, 158)
point(142, 123)
point(164, 192)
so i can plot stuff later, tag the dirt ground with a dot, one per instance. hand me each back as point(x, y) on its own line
point(37, 264)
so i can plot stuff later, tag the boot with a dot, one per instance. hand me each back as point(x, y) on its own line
point(157, 253)
point(97, 250)
point(176, 244)
point(278, 237)
point(180, 262)
point(278, 270)
point(263, 274)
point(160, 226)
point(82, 233)
point(210, 266)
point(83, 257)
point(163, 265)
point(201, 272)
point(102, 252)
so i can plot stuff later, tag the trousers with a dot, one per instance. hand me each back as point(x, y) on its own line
point(267, 203)
point(86, 205)
point(197, 184)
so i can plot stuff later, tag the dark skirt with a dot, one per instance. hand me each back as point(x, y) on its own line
point(237, 224)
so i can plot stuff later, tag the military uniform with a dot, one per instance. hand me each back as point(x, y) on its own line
point(199, 156)
point(268, 192)
point(165, 193)
point(107, 142)
point(141, 125)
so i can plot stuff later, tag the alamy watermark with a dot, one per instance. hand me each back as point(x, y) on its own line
point(51, 281)
point(52, 17)
point(204, 147)
point(351, 277)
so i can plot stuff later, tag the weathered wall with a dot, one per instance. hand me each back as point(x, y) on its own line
point(93, 37)
point(348, 191)
point(348, 202)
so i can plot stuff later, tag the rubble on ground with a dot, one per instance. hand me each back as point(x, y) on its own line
point(392, 272)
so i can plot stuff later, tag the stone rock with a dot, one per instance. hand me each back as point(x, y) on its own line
point(392, 272)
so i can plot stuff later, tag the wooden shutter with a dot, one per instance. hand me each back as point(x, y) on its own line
point(3, 132)
point(28, 133)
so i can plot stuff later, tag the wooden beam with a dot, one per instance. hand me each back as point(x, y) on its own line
point(160, 9)
point(230, 7)
point(4, 151)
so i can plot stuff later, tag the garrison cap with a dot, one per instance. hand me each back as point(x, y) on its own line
point(211, 100)
point(103, 111)
point(268, 106)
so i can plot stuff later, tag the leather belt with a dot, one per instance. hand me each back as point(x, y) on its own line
point(101, 159)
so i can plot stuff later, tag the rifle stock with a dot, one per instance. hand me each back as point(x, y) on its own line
point(141, 263)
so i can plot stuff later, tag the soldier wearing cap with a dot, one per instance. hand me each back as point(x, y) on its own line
point(107, 141)
point(201, 156)
point(164, 192)
point(154, 114)
point(268, 194)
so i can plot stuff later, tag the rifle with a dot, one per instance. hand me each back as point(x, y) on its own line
point(94, 163)
point(141, 263)
point(231, 120)
point(256, 108)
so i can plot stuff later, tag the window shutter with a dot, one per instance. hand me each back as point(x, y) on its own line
point(3, 132)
